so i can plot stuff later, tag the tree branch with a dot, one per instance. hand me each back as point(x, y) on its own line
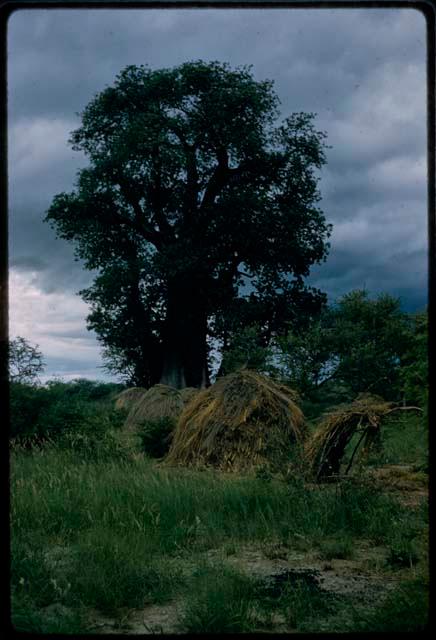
point(364, 432)
point(227, 276)
point(247, 275)
point(218, 179)
point(156, 197)
point(191, 182)
point(405, 409)
point(191, 169)
point(139, 223)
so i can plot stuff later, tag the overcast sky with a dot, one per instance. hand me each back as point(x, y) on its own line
point(361, 70)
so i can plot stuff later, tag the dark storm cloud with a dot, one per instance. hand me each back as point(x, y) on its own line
point(315, 56)
point(41, 165)
point(361, 71)
point(350, 269)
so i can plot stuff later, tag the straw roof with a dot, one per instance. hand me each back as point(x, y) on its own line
point(242, 421)
point(325, 449)
point(127, 398)
point(160, 401)
point(188, 393)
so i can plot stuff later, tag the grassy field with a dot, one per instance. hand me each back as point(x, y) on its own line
point(123, 544)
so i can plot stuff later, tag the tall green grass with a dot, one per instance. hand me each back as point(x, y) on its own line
point(57, 496)
point(113, 533)
point(60, 620)
point(404, 440)
point(224, 600)
point(406, 609)
point(219, 601)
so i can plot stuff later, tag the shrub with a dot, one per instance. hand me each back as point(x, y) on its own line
point(83, 389)
point(59, 410)
point(156, 435)
point(25, 361)
point(62, 416)
point(95, 436)
point(26, 404)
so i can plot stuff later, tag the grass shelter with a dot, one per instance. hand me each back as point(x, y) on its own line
point(188, 393)
point(242, 421)
point(324, 451)
point(129, 397)
point(160, 401)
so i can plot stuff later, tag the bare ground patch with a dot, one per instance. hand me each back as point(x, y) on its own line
point(350, 579)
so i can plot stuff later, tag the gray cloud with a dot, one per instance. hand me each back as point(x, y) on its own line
point(362, 72)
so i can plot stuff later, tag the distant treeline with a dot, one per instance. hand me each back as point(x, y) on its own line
point(357, 345)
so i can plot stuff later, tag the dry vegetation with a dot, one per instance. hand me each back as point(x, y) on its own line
point(242, 421)
point(188, 393)
point(119, 543)
point(324, 451)
point(160, 401)
point(129, 397)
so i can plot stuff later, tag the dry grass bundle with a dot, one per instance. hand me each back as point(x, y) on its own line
point(241, 421)
point(325, 449)
point(160, 401)
point(188, 393)
point(127, 398)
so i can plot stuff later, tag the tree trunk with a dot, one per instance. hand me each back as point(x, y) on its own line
point(185, 348)
point(173, 373)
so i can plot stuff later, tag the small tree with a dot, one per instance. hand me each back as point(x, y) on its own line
point(414, 369)
point(371, 338)
point(306, 358)
point(25, 361)
point(246, 351)
point(357, 345)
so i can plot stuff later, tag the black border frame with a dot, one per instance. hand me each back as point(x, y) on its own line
point(7, 7)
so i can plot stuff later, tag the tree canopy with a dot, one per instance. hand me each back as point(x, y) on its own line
point(25, 361)
point(357, 345)
point(414, 372)
point(196, 200)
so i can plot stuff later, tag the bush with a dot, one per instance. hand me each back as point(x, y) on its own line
point(83, 389)
point(61, 417)
point(246, 351)
point(25, 361)
point(26, 404)
point(156, 435)
point(95, 439)
point(72, 415)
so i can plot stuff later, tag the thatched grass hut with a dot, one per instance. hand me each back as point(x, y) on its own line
point(325, 449)
point(242, 421)
point(160, 401)
point(129, 397)
point(188, 393)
